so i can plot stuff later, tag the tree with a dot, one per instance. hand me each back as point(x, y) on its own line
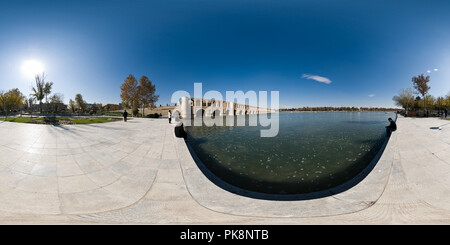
point(440, 103)
point(56, 101)
point(42, 89)
point(430, 101)
point(16, 99)
point(146, 93)
point(39, 91)
point(81, 104)
point(405, 99)
point(4, 102)
point(129, 92)
point(72, 105)
point(111, 107)
point(26, 103)
point(420, 83)
point(93, 109)
point(11, 100)
point(31, 101)
point(447, 100)
point(47, 91)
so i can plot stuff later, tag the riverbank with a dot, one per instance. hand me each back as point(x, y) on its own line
point(333, 111)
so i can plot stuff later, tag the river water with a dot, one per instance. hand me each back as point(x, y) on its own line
point(312, 152)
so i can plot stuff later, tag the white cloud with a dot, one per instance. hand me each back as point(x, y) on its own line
point(428, 71)
point(317, 78)
point(436, 69)
point(371, 95)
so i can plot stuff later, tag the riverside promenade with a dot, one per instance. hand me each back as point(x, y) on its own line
point(139, 173)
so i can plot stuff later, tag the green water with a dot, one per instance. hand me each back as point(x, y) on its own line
point(312, 152)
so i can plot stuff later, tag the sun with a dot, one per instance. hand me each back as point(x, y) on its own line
point(31, 68)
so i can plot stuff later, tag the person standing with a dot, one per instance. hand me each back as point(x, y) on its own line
point(445, 113)
point(169, 114)
point(125, 115)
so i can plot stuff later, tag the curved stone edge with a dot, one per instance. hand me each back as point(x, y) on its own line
point(362, 194)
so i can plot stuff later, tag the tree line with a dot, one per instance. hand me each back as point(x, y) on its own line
point(14, 100)
point(344, 109)
point(418, 101)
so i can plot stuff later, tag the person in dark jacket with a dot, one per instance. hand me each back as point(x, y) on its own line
point(125, 115)
point(445, 113)
point(391, 128)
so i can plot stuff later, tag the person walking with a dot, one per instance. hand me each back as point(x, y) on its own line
point(391, 128)
point(169, 114)
point(445, 113)
point(125, 115)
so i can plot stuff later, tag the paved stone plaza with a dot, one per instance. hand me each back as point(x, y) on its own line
point(138, 172)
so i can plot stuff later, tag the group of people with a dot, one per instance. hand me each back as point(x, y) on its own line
point(444, 113)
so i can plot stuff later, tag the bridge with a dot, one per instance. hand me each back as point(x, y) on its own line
point(195, 107)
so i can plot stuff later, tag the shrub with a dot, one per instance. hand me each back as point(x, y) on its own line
point(155, 115)
point(412, 113)
point(136, 112)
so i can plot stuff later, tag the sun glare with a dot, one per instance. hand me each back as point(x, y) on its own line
point(31, 68)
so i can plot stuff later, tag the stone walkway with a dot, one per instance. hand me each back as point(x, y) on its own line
point(138, 172)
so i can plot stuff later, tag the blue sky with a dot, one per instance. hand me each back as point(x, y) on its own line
point(368, 50)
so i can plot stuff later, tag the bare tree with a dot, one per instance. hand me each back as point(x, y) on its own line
point(26, 104)
point(56, 101)
point(30, 102)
